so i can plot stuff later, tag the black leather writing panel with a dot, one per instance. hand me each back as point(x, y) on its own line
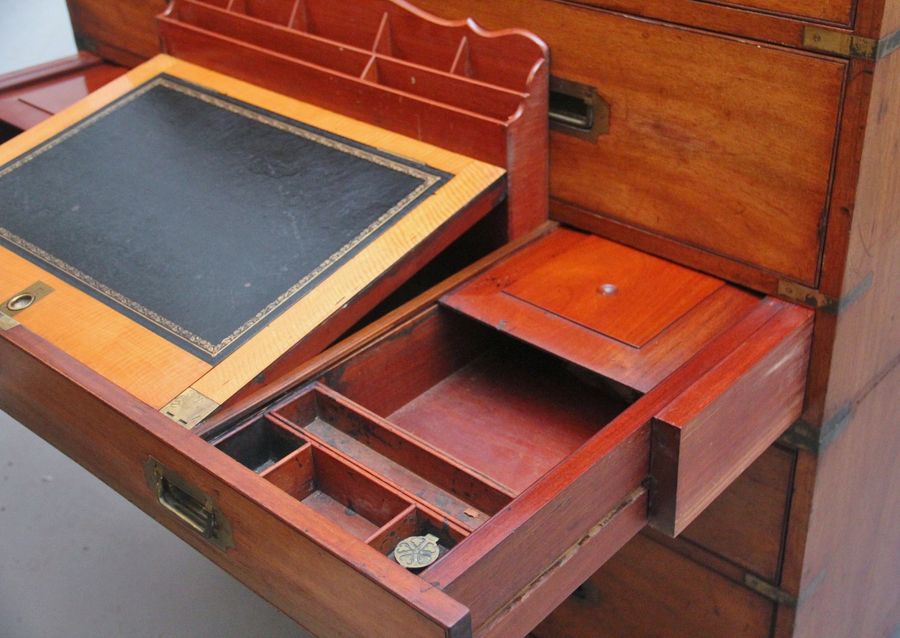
point(197, 215)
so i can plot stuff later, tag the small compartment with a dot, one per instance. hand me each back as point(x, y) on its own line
point(259, 444)
point(455, 90)
point(501, 407)
point(415, 522)
point(296, 44)
point(337, 491)
point(404, 461)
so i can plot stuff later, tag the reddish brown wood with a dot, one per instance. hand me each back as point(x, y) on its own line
point(649, 590)
point(358, 307)
point(677, 164)
point(748, 400)
point(30, 96)
point(572, 567)
point(853, 418)
point(41, 72)
point(628, 296)
point(408, 462)
point(338, 491)
point(297, 372)
point(745, 524)
point(123, 32)
point(486, 299)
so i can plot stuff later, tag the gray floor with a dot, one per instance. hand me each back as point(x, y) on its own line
point(76, 559)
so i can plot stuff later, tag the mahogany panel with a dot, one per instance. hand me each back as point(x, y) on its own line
point(629, 296)
point(867, 331)
point(485, 298)
point(676, 162)
point(30, 96)
point(837, 11)
point(123, 31)
point(649, 590)
point(748, 400)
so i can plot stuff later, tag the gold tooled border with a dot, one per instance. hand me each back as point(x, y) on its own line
point(428, 180)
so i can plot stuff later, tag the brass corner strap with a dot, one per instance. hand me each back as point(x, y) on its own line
point(805, 436)
point(770, 591)
point(849, 45)
point(812, 298)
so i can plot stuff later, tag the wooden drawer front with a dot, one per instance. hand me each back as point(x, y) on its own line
point(716, 143)
point(649, 590)
point(837, 11)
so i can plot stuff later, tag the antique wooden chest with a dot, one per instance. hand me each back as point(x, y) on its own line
point(699, 343)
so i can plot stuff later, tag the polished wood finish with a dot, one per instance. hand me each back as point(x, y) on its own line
point(30, 96)
point(344, 588)
point(124, 32)
point(586, 263)
point(677, 164)
point(841, 546)
point(745, 524)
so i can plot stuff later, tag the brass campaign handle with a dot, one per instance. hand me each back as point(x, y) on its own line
point(188, 504)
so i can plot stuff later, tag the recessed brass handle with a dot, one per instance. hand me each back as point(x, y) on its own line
point(188, 504)
point(577, 109)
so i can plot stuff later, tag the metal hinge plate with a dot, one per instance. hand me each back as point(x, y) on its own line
point(812, 298)
point(189, 408)
point(849, 45)
point(769, 591)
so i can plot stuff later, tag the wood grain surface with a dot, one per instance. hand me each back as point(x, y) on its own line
point(677, 163)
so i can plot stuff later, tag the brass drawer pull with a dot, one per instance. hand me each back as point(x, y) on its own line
point(188, 504)
point(577, 109)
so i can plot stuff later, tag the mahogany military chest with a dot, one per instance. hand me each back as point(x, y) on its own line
point(536, 410)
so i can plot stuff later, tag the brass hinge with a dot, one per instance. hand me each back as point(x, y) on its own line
point(189, 408)
point(849, 45)
point(798, 293)
point(7, 322)
point(805, 295)
point(769, 591)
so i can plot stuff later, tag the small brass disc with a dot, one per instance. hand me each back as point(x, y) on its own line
point(416, 552)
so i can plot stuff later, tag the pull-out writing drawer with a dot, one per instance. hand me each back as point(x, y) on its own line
point(527, 457)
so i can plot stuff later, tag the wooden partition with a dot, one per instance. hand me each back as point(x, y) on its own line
point(449, 83)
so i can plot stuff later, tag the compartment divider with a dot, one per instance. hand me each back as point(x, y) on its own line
point(436, 482)
point(450, 87)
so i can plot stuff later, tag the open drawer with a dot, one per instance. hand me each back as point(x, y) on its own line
point(521, 438)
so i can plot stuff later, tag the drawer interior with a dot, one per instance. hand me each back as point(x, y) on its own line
point(432, 431)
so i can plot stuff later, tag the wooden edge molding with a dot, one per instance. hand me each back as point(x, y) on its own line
point(39, 73)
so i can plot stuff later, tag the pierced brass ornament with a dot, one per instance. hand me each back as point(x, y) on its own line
point(416, 552)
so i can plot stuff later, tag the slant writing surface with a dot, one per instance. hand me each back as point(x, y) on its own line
point(200, 216)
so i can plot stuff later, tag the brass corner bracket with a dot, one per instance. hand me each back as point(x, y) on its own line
point(849, 45)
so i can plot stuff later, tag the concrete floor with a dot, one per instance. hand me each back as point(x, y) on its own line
point(76, 559)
